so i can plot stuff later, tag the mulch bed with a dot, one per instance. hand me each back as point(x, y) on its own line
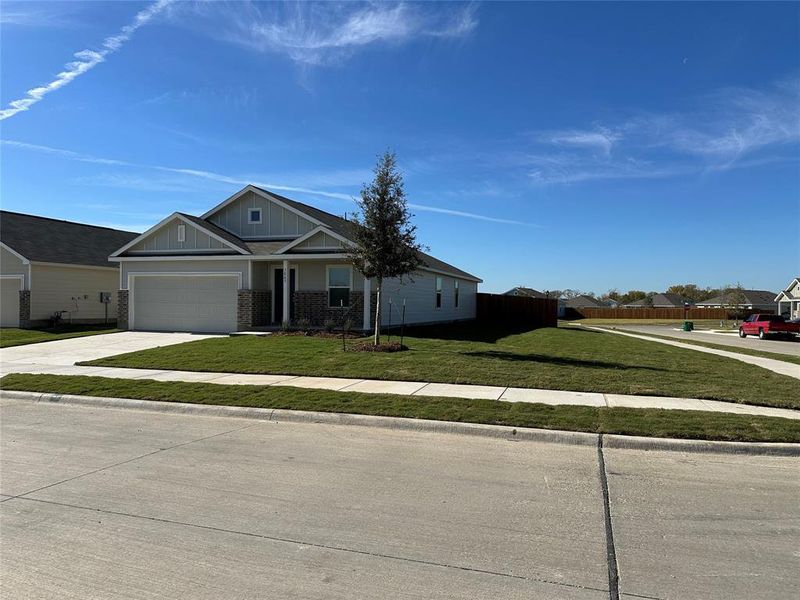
point(370, 347)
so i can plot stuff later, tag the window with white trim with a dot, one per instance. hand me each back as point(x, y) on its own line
point(254, 216)
point(181, 233)
point(340, 279)
point(455, 293)
point(438, 292)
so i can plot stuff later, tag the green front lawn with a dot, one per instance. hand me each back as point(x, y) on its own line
point(625, 421)
point(18, 337)
point(552, 358)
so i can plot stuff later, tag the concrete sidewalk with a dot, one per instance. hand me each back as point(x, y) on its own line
point(412, 388)
point(776, 366)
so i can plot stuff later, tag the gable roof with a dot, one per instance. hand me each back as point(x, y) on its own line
point(583, 301)
point(784, 293)
point(525, 291)
point(666, 299)
point(43, 239)
point(753, 297)
point(217, 230)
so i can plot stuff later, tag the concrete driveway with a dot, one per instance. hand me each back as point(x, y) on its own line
point(67, 352)
point(103, 503)
point(779, 346)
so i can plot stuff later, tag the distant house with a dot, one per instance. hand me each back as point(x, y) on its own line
point(762, 300)
point(791, 297)
point(524, 291)
point(666, 300)
point(50, 266)
point(583, 301)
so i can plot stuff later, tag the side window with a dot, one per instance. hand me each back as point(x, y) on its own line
point(455, 293)
point(438, 292)
point(339, 277)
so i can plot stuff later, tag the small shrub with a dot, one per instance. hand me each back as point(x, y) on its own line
point(303, 324)
point(329, 325)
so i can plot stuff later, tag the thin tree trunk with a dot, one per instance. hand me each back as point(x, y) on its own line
point(377, 339)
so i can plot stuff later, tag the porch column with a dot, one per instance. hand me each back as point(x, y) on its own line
point(286, 280)
point(367, 303)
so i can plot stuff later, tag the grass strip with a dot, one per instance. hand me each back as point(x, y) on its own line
point(625, 421)
point(10, 337)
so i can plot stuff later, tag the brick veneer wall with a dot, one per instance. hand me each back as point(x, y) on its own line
point(122, 309)
point(24, 308)
point(313, 306)
point(253, 308)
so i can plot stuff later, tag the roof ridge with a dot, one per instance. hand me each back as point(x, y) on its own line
point(22, 214)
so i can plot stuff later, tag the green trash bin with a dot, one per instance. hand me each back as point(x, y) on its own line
point(688, 325)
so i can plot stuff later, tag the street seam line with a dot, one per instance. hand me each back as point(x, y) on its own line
point(613, 567)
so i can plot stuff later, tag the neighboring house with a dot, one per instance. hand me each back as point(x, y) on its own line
point(666, 300)
point(762, 300)
point(259, 259)
point(527, 292)
point(49, 266)
point(790, 299)
point(583, 302)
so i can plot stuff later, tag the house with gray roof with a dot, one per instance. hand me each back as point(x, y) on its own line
point(260, 259)
point(50, 266)
point(525, 291)
point(665, 300)
point(761, 300)
point(789, 299)
point(583, 301)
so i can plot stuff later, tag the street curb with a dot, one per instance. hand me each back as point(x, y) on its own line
point(575, 438)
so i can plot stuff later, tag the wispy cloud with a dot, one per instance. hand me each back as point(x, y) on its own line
point(323, 33)
point(87, 59)
point(731, 128)
point(227, 179)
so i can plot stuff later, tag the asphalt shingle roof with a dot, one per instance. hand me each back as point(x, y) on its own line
point(583, 302)
point(42, 239)
point(525, 291)
point(754, 297)
point(664, 300)
point(223, 233)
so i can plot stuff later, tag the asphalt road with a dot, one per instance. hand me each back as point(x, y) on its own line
point(779, 346)
point(107, 503)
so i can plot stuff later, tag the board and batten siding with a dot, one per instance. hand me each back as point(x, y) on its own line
point(184, 266)
point(420, 298)
point(74, 289)
point(276, 221)
point(11, 264)
point(166, 239)
point(318, 241)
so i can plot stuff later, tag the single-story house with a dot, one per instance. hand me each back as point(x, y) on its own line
point(762, 300)
point(583, 301)
point(49, 266)
point(259, 259)
point(665, 300)
point(790, 298)
point(525, 291)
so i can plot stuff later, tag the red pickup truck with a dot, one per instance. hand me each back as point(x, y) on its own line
point(764, 325)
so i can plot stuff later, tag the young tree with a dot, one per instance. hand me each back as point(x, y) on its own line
point(734, 298)
point(385, 243)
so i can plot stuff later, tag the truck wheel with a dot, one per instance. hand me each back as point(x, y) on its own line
point(742, 334)
point(761, 334)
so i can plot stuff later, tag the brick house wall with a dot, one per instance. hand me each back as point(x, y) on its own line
point(122, 309)
point(253, 308)
point(24, 308)
point(313, 307)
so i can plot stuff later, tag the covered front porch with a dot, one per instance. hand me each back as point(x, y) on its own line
point(326, 292)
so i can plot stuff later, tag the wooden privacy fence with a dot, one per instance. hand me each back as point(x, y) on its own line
point(656, 313)
point(517, 310)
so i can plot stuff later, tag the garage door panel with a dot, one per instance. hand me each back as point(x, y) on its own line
point(185, 303)
point(9, 302)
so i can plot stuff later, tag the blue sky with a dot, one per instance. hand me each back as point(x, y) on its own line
point(554, 145)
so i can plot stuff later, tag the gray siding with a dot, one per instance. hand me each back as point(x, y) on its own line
point(166, 239)
point(420, 298)
point(11, 265)
point(73, 289)
point(276, 221)
point(318, 241)
point(185, 266)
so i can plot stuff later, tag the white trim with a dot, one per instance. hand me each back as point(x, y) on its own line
point(132, 275)
point(182, 251)
point(72, 266)
point(438, 293)
point(312, 233)
point(256, 257)
point(15, 276)
point(182, 233)
point(24, 260)
point(250, 220)
point(271, 275)
point(263, 194)
point(786, 290)
point(337, 287)
point(177, 215)
point(250, 275)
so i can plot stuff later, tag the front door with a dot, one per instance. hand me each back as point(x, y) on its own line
point(278, 299)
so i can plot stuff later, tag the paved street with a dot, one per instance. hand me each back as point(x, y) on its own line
point(101, 503)
point(779, 346)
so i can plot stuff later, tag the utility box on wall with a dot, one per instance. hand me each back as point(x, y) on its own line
point(105, 297)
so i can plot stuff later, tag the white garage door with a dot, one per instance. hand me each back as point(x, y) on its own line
point(201, 304)
point(9, 301)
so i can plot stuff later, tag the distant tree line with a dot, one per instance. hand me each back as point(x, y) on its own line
point(732, 294)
